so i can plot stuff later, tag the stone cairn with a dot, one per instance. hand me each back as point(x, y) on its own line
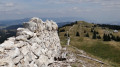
point(35, 45)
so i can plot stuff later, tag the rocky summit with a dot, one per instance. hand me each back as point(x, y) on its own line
point(35, 45)
point(38, 45)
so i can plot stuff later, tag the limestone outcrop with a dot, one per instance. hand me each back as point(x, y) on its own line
point(35, 45)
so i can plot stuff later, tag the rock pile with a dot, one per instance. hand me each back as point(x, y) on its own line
point(35, 45)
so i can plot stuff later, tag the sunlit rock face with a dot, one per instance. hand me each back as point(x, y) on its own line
point(35, 45)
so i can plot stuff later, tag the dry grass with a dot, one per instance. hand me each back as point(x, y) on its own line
point(87, 44)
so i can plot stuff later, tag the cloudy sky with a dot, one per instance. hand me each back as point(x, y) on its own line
point(97, 10)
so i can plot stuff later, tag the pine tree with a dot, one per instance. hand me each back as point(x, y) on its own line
point(94, 35)
point(87, 35)
point(97, 32)
point(68, 35)
point(112, 37)
point(108, 37)
point(104, 37)
point(65, 34)
point(91, 30)
point(62, 30)
point(84, 31)
point(94, 32)
point(77, 34)
point(99, 37)
point(117, 38)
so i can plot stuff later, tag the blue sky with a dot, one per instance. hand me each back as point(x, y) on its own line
point(96, 10)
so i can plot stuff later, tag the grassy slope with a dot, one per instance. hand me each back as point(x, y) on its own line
point(109, 51)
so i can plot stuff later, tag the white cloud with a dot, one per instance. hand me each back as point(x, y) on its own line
point(75, 8)
point(9, 4)
point(105, 3)
point(7, 7)
point(72, 8)
point(111, 4)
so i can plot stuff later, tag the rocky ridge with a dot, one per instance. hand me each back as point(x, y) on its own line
point(35, 45)
point(38, 45)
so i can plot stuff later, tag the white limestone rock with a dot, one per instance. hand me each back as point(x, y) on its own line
point(7, 44)
point(35, 45)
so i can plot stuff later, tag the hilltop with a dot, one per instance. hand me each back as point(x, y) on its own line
point(99, 41)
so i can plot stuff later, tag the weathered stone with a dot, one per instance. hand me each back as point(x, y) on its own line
point(35, 45)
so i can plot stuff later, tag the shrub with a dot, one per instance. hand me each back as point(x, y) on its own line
point(63, 30)
point(77, 34)
point(99, 37)
point(87, 35)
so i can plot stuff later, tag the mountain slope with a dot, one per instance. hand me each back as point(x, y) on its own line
point(108, 51)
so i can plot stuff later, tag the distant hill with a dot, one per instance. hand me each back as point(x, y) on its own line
point(13, 22)
point(59, 20)
point(14, 27)
point(20, 25)
point(62, 20)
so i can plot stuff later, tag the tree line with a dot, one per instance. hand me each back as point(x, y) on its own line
point(114, 27)
point(4, 34)
point(109, 37)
